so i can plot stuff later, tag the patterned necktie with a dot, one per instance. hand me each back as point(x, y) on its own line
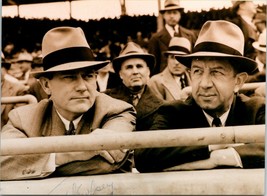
point(183, 83)
point(135, 99)
point(216, 122)
point(71, 130)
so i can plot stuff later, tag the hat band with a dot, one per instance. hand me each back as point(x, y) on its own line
point(215, 47)
point(261, 45)
point(179, 48)
point(170, 5)
point(67, 55)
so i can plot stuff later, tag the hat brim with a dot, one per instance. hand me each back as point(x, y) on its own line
point(257, 46)
point(149, 58)
point(172, 8)
point(166, 53)
point(94, 65)
point(245, 64)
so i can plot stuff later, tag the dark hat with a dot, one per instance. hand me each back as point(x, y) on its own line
point(66, 48)
point(4, 63)
point(171, 5)
point(220, 39)
point(133, 50)
point(179, 45)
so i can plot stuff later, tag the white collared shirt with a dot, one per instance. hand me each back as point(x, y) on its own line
point(222, 117)
point(171, 30)
point(67, 122)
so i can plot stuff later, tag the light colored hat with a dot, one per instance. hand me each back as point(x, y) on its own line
point(171, 5)
point(179, 45)
point(220, 39)
point(261, 43)
point(24, 56)
point(66, 48)
point(133, 50)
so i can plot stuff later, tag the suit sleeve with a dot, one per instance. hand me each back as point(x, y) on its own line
point(17, 167)
point(157, 159)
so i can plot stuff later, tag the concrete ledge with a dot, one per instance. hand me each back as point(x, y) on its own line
point(202, 182)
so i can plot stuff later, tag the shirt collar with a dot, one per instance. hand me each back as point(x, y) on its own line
point(222, 117)
point(171, 30)
point(67, 122)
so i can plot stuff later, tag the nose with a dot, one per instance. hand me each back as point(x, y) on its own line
point(135, 70)
point(80, 83)
point(206, 81)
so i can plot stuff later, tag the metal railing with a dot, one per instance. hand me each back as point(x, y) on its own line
point(19, 99)
point(134, 140)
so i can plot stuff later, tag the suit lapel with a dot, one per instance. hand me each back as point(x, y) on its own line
point(171, 85)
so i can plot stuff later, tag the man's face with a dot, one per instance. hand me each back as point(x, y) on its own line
point(172, 17)
point(73, 92)
point(134, 73)
point(175, 67)
point(214, 83)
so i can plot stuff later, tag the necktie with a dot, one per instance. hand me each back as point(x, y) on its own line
point(183, 83)
point(216, 122)
point(135, 99)
point(71, 130)
point(176, 34)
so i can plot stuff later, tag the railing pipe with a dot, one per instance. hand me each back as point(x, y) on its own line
point(134, 140)
point(19, 99)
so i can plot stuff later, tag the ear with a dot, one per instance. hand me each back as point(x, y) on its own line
point(240, 80)
point(120, 75)
point(45, 85)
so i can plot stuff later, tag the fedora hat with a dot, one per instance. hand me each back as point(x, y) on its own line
point(171, 5)
point(23, 57)
point(220, 39)
point(133, 50)
point(179, 45)
point(66, 48)
point(261, 43)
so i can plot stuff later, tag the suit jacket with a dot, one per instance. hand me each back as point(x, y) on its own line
point(164, 85)
point(41, 120)
point(250, 35)
point(146, 107)
point(181, 115)
point(9, 89)
point(159, 43)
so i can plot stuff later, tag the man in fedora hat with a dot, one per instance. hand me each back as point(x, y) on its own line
point(218, 70)
point(169, 83)
point(260, 46)
point(133, 66)
point(159, 41)
point(244, 12)
point(74, 107)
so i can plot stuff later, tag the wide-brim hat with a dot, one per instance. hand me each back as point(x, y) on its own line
point(220, 39)
point(133, 50)
point(23, 57)
point(178, 45)
point(261, 43)
point(171, 5)
point(66, 48)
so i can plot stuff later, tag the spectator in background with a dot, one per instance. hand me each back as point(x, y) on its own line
point(159, 41)
point(260, 47)
point(133, 66)
point(75, 107)
point(260, 22)
point(142, 42)
point(218, 69)
point(8, 88)
point(21, 66)
point(169, 83)
point(106, 78)
point(244, 12)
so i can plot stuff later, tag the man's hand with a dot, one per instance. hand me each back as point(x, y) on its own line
point(221, 157)
point(113, 156)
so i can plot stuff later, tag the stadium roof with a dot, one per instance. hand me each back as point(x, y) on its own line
point(21, 2)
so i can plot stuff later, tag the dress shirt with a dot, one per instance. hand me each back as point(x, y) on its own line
point(67, 122)
point(172, 30)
